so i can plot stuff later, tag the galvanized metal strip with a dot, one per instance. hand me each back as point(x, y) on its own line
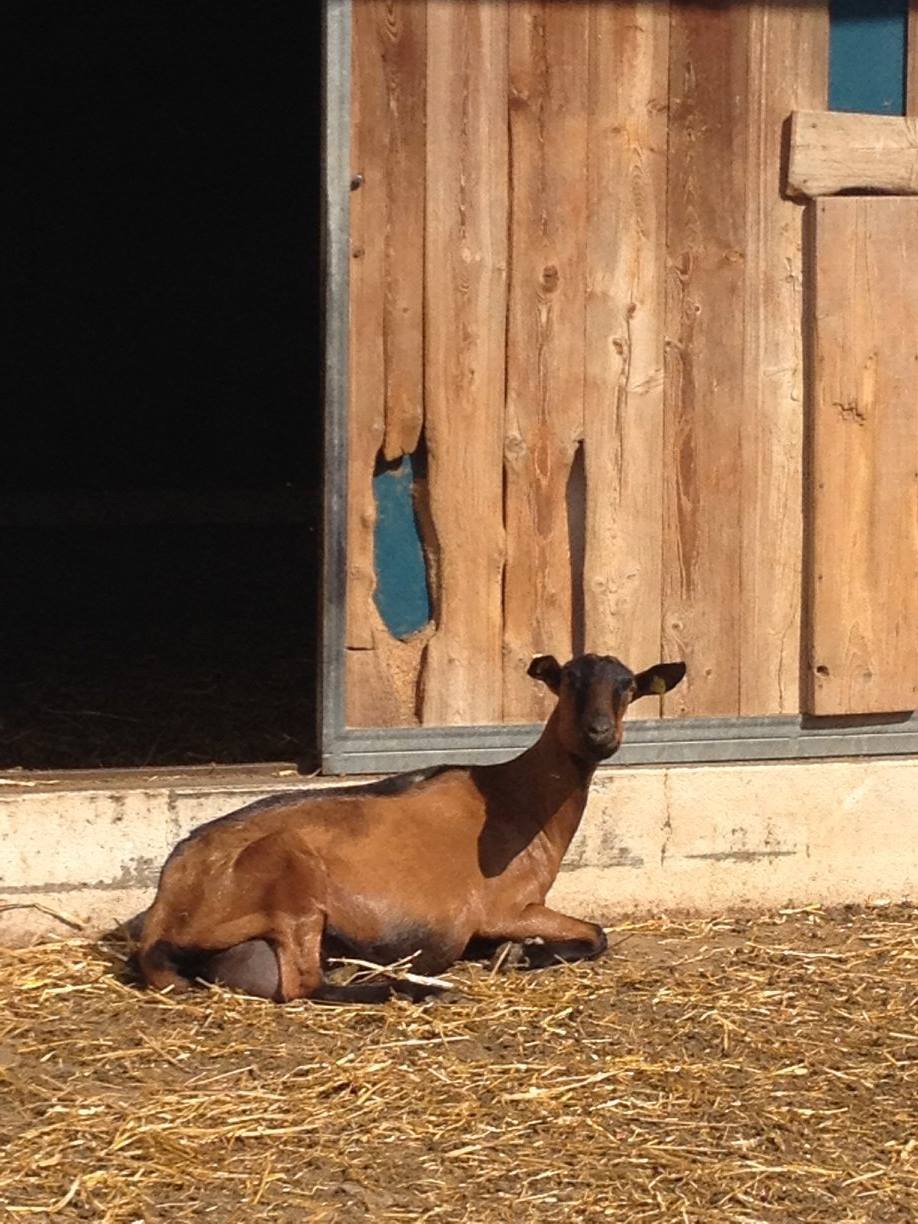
point(692, 741)
point(335, 271)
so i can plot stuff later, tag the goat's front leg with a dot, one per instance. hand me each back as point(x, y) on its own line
point(562, 938)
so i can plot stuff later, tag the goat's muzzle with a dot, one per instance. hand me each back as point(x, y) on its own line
point(602, 738)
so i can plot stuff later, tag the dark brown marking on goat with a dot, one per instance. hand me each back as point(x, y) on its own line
point(412, 940)
point(427, 863)
point(538, 956)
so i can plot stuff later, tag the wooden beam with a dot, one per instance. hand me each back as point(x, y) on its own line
point(832, 152)
point(788, 66)
point(911, 78)
point(381, 675)
point(705, 383)
point(544, 410)
point(366, 406)
point(623, 415)
point(465, 341)
point(862, 647)
point(401, 33)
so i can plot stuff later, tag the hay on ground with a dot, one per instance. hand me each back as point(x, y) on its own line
point(731, 1070)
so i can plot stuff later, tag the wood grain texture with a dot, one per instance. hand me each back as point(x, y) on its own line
point(575, 498)
point(382, 682)
point(381, 672)
point(863, 493)
point(401, 39)
point(623, 417)
point(911, 75)
point(788, 69)
point(548, 46)
point(832, 152)
point(366, 407)
point(706, 296)
point(465, 337)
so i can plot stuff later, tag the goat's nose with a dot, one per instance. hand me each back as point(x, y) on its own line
point(599, 727)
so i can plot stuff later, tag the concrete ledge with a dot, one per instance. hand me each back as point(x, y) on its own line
point(704, 838)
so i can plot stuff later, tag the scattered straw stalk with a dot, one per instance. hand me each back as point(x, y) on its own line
point(736, 1070)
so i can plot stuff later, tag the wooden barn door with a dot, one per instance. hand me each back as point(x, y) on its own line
point(576, 385)
point(863, 487)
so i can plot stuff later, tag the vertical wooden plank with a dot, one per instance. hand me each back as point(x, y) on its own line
point(387, 138)
point(863, 493)
point(788, 70)
point(366, 408)
point(706, 218)
point(911, 76)
point(402, 36)
point(623, 417)
point(465, 329)
point(548, 53)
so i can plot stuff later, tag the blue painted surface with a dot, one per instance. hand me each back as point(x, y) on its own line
point(402, 596)
point(867, 42)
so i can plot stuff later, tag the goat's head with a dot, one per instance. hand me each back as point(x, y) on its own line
point(594, 691)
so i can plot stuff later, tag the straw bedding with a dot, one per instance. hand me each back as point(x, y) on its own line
point(740, 1069)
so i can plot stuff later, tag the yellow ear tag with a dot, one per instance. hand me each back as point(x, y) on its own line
point(658, 686)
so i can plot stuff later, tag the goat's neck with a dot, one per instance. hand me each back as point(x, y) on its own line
point(550, 788)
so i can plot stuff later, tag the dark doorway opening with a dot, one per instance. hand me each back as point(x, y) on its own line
point(162, 413)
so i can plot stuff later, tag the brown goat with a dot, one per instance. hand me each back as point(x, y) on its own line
point(431, 863)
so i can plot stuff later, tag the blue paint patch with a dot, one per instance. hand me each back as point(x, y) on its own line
point(402, 596)
point(867, 56)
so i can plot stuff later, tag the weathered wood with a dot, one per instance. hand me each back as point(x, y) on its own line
point(703, 403)
point(911, 77)
point(676, 520)
point(366, 407)
point(623, 417)
point(382, 683)
point(788, 69)
point(465, 335)
point(863, 490)
point(832, 152)
point(401, 33)
point(545, 344)
point(381, 672)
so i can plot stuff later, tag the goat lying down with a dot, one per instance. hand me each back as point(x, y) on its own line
point(430, 863)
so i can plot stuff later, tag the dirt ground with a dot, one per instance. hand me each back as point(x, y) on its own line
point(733, 1070)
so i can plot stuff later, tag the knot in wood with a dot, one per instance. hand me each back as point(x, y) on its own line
point(550, 278)
point(514, 446)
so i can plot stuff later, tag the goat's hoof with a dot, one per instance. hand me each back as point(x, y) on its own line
point(508, 956)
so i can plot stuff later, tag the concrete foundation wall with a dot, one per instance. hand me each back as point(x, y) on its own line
point(686, 838)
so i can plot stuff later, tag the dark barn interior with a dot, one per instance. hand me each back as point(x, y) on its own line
point(162, 428)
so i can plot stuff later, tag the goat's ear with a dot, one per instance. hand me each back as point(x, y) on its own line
point(547, 669)
point(658, 680)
